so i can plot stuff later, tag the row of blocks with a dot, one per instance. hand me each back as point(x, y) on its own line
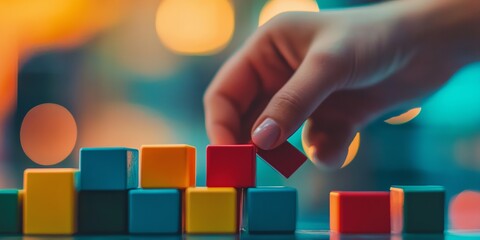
point(52, 208)
point(405, 209)
point(103, 196)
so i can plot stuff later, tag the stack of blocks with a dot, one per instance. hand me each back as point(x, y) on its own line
point(119, 190)
point(106, 175)
point(104, 197)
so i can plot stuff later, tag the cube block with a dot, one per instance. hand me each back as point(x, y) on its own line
point(211, 210)
point(360, 212)
point(167, 166)
point(114, 168)
point(286, 159)
point(10, 211)
point(155, 211)
point(50, 201)
point(271, 209)
point(103, 212)
point(231, 165)
point(417, 209)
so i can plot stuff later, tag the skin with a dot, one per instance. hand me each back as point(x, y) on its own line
point(338, 70)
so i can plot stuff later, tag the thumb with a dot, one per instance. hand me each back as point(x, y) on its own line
point(317, 76)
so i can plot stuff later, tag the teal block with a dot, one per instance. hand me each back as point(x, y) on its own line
point(271, 210)
point(155, 211)
point(423, 209)
point(10, 211)
point(113, 168)
point(102, 212)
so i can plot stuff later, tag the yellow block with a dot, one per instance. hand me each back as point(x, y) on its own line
point(211, 210)
point(167, 166)
point(49, 201)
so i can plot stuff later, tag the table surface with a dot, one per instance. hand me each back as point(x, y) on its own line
point(300, 234)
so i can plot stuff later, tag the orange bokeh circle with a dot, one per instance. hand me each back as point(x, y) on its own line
point(48, 134)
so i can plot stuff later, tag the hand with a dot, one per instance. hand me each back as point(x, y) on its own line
point(340, 70)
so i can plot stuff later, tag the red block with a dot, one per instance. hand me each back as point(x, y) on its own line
point(286, 159)
point(231, 166)
point(360, 212)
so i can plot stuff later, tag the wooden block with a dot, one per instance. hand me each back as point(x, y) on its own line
point(417, 209)
point(10, 211)
point(211, 210)
point(155, 211)
point(103, 212)
point(114, 168)
point(50, 201)
point(286, 159)
point(231, 166)
point(271, 210)
point(167, 166)
point(360, 212)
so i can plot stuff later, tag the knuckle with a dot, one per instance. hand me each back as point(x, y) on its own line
point(289, 103)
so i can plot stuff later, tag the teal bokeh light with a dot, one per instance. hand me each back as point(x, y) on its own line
point(457, 104)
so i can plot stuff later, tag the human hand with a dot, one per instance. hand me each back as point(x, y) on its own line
point(340, 70)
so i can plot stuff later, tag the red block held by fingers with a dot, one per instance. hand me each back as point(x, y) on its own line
point(286, 159)
point(231, 166)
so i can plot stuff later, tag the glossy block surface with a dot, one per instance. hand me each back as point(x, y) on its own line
point(417, 209)
point(50, 201)
point(103, 212)
point(113, 168)
point(167, 166)
point(10, 211)
point(360, 212)
point(286, 159)
point(271, 209)
point(211, 210)
point(231, 166)
point(154, 211)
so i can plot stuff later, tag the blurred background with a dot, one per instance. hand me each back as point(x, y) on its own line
point(79, 73)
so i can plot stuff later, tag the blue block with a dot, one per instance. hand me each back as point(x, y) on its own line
point(155, 211)
point(113, 168)
point(271, 209)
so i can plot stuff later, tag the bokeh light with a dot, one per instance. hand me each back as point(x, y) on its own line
point(464, 211)
point(60, 23)
point(48, 133)
point(195, 27)
point(132, 46)
point(8, 74)
point(122, 124)
point(352, 150)
point(275, 7)
point(404, 117)
point(457, 104)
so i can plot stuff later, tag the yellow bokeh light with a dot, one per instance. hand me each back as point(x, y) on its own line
point(59, 23)
point(404, 117)
point(352, 150)
point(195, 27)
point(275, 7)
point(48, 133)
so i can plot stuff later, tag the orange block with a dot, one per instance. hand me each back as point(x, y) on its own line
point(167, 166)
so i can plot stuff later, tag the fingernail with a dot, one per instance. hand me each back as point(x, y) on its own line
point(266, 134)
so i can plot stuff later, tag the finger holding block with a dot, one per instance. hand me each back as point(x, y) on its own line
point(167, 166)
point(49, 201)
